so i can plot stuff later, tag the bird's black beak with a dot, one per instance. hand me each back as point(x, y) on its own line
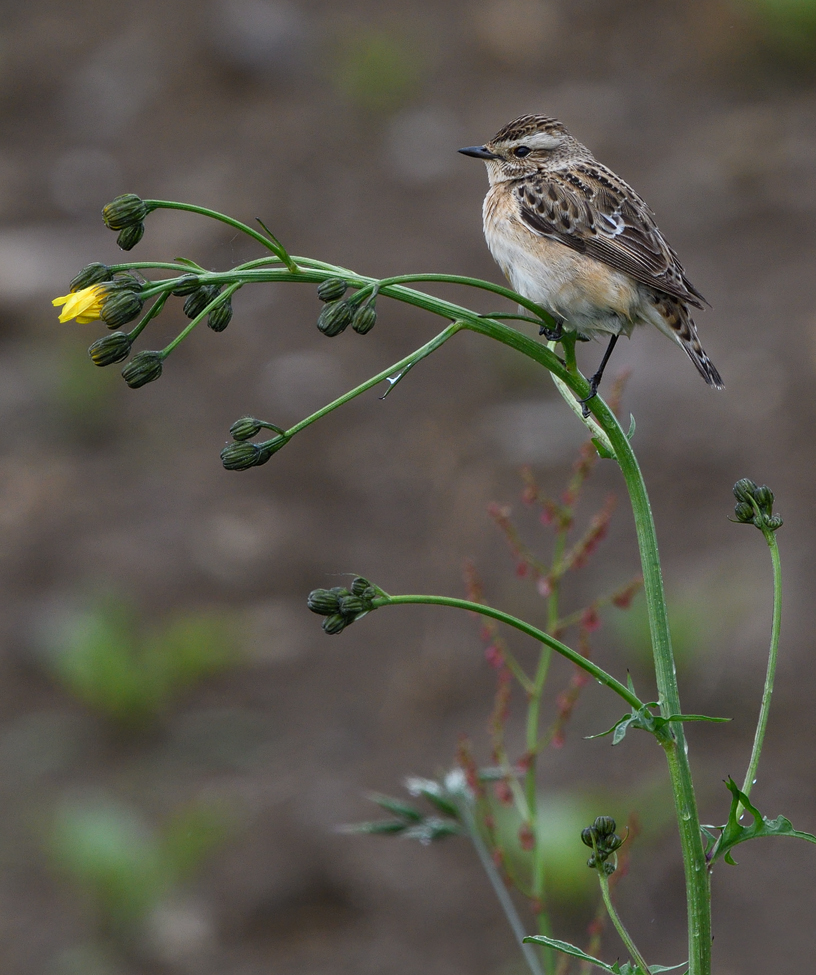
point(479, 152)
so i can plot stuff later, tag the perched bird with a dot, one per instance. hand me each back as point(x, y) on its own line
point(576, 239)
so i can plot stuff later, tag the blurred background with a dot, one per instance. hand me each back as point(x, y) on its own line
point(178, 738)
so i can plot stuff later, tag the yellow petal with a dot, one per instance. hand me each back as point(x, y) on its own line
point(85, 305)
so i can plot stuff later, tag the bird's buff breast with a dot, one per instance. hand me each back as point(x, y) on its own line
point(587, 294)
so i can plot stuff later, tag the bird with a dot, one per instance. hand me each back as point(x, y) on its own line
point(572, 236)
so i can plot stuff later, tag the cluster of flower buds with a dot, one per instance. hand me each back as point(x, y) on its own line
point(755, 505)
point(241, 455)
point(603, 840)
point(341, 606)
point(341, 312)
point(126, 214)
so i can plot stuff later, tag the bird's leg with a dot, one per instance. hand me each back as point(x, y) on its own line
point(595, 380)
point(553, 334)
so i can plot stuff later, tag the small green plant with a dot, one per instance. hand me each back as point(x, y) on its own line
point(102, 657)
point(457, 804)
point(107, 851)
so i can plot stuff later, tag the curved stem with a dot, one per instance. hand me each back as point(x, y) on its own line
point(272, 245)
point(600, 675)
point(762, 723)
point(625, 937)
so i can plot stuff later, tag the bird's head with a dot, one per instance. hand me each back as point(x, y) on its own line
point(530, 144)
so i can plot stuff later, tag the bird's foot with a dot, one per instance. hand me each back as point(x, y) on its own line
point(553, 334)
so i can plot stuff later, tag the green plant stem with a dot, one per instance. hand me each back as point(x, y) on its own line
point(395, 369)
point(499, 886)
point(534, 705)
point(272, 245)
point(634, 954)
point(697, 878)
point(698, 889)
point(767, 693)
point(219, 299)
point(600, 675)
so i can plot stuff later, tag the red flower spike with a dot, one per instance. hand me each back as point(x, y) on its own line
point(494, 656)
point(526, 837)
point(522, 569)
point(504, 793)
point(590, 620)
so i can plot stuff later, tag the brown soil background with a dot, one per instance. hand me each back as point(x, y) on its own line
point(262, 109)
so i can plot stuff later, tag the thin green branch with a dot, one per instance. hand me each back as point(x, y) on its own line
point(767, 693)
point(625, 937)
point(499, 886)
point(593, 669)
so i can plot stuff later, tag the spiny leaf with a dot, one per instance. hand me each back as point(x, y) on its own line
point(733, 833)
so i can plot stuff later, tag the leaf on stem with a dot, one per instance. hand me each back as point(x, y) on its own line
point(733, 832)
point(627, 968)
point(644, 720)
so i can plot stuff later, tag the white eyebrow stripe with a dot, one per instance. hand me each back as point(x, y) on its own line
point(541, 140)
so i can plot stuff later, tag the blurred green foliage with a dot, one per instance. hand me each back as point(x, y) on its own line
point(379, 70)
point(104, 660)
point(788, 25)
point(108, 852)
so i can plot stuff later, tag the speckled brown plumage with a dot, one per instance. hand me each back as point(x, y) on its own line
point(574, 237)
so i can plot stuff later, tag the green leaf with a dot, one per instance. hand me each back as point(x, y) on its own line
point(567, 949)
point(188, 263)
point(279, 249)
point(644, 720)
point(374, 827)
point(632, 427)
point(396, 807)
point(733, 833)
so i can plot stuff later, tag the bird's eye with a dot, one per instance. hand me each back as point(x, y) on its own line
point(521, 151)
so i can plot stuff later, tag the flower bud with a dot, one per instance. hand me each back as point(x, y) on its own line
point(110, 348)
point(609, 869)
point(359, 585)
point(335, 623)
point(350, 605)
point(612, 843)
point(744, 489)
point(331, 289)
point(591, 862)
point(774, 522)
point(744, 512)
point(240, 456)
point(143, 368)
point(764, 497)
point(588, 836)
point(605, 825)
point(120, 306)
point(130, 236)
point(245, 428)
point(334, 318)
point(124, 211)
point(199, 300)
point(364, 319)
point(324, 602)
point(94, 273)
point(187, 284)
point(220, 316)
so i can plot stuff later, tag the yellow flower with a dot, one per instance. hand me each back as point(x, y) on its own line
point(85, 305)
